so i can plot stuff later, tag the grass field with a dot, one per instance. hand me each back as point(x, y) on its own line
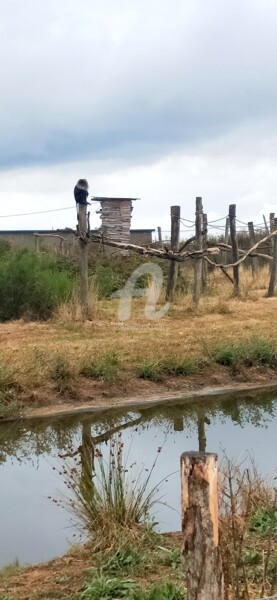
point(224, 339)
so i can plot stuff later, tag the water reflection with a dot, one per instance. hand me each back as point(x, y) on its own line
point(33, 529)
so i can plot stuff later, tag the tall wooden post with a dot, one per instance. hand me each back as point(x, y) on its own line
point(273, 271)
point(226, 239)
point(271, 221)
point(205, 246)
point(234, 244)
point(271, 227)
point(266, 225)
point(198, 246)
point(175, 239)
point(83, 259)
point(202, 560)
point(252, 242)
point(159, 235)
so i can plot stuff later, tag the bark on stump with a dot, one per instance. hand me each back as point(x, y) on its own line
point(202, 560)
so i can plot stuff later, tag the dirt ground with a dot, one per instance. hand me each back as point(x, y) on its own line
point(65, 576)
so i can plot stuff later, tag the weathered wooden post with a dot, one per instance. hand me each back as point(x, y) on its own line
point(175, 239)
point(271, 221)
point(159, 234)
point(83, 259)
point(235, 250)
point(205, 246)
point(202, 560)
point(198, 246)
point(266, 225)
point(252, 242)
point(226, 239)
point(273, 271)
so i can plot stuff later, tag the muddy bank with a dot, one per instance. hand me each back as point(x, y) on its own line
point(95, 396)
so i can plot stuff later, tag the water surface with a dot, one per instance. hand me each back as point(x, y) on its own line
point(34, 529)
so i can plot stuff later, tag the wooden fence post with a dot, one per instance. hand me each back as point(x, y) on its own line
point(198, 246)
point(83, 259)
point(273, 271)
point(159, 235)
point(205, 246)
point(202, 560)
point(271, 221)
point(235, 251)
point(226, 238)
point(252, 242)
point(175, 212)
point(266, 225)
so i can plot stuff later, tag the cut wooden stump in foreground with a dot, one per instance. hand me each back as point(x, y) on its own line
point(202, 560)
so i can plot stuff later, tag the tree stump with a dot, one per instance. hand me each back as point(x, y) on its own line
point(202, 560)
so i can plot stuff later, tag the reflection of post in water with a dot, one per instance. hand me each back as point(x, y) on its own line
point(201, 421)
point(178, 424)
point(87, 453)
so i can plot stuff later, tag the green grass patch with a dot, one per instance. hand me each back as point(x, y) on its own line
point(103, 588)
point(105, 367)
point(125, 559)
point(176, 367)
point(252, 353)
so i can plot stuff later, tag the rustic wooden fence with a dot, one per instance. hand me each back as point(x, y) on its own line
point(198, 247)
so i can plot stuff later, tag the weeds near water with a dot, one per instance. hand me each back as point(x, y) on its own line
point(124, 559)
point(62, 374)
point(109, 589)
point(252, 353)
point(112, 502)
point(176, 367)
point(248, 530)
point(105, 367)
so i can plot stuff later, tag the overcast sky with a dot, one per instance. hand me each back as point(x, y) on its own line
point(163, 100)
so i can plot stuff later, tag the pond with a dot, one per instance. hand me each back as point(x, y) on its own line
point(34, 528)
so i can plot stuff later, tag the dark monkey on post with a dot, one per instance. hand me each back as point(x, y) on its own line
point(81, 192)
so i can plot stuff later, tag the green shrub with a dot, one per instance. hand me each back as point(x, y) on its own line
point(31, 285)
point(260, 352)
point(105, 367)
point(228, 356)
point(169, 367)
point(61, 369)
point(254, 352)
point(150, 371)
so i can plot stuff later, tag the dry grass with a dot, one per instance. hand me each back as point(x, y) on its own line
point(30, 349)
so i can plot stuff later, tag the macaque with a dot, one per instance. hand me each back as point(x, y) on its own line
point(81, 192)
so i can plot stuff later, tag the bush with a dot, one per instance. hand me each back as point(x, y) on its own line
point(31, 285)
point(169, 367)
point(105, 367)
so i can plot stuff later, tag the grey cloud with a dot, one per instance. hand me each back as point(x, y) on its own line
point(103, 80)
